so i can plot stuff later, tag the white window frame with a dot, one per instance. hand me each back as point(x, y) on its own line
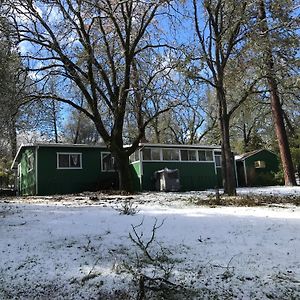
point(160, 154)
point(189, 160)
point(32, 166)
point(113, 161)
point(19, 177)
point(219, 155)
point(205, 151)
point(170, 160)
point(68, 153)
point(134, 157)
point(259, 164)
point(19, 170)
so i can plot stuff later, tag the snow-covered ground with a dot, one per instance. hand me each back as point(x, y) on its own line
point(78, 247)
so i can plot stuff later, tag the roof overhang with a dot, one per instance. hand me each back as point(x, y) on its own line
point(244, 156)
point(194, 146)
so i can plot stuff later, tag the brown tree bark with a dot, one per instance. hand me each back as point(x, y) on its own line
point(277, 113)
point(229, 181)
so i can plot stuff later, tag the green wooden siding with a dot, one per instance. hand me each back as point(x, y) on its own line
point(193, 175)
point(27, 178)
point(136, 175)
point(263, 176)
point(219, 178)
point(62, 181)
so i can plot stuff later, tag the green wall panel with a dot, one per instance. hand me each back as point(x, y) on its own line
point(136, 175)
point(63, 181)
point(193, 175)
point(263, 176)
point(27, 180)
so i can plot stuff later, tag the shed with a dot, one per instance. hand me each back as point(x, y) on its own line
point(47, 169)
point(257, 168)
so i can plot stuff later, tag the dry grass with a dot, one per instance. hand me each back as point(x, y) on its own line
point(247, 200)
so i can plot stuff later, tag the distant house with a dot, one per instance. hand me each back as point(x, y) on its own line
point(47, 169)
point(256, 168)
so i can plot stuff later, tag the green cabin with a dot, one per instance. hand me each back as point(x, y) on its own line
point(48, 169)
point(199, 166)
point(257, 168)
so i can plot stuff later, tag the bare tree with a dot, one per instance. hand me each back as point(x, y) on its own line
point(94, 45)
point(222, 38)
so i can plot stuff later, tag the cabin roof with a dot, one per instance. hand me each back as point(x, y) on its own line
point(249, 154)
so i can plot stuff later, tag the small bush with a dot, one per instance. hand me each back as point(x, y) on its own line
point(127, 208)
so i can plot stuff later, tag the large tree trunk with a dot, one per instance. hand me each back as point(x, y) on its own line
point(227, 157)
point(123, 168)
point(277, 113)
point(230, 183)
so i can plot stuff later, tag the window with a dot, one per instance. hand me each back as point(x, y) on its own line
point(205, 155)
point(170, 154)
point(259, 164)
point(151, 154)
point(189, 155)
point(155, 154)
point(134, 156)
point(107, 162)
point(218, 160)
point(30, 162)
point(19, 170)
point(146, 154)
point(69, 161)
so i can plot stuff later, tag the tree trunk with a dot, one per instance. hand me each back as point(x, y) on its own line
point(124, 171)
point(277, 113)
point(227, 157)
point(285, 154)
point(77, 130)
point(13, 136)
point(55, 121)
point(230, 184)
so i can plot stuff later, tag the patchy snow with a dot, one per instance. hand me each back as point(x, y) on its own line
point(78, 247)
point(270, 190)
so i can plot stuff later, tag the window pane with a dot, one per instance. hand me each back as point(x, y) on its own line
point(218, 160)
point(63, 160)
point(259, 164)
point(209, 155)
point(147, 154)
point(155, 154)
point(74, 160)
point(132, 158)
point(201, 154)
point(184, 154)
point(137, 155)
point(170, 154)
point(192, 155)
point(107, 162)
point(30, 162)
